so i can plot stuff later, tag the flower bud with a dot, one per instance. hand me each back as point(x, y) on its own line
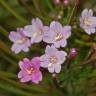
point(72, 53)
point(57, 1)
point(66, 2)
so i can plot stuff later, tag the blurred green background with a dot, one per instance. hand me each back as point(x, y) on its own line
point(18, 13)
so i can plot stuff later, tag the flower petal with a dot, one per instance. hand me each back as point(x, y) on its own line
point(37, 22)
point(93, 21)
point(36, 77)
point(61, 57)
point(36, 62)
point(44, 61)
point(63, 43)
point(51, 69)
point(21, 74)
point(50, 50)
point(30, 30)
point(90, 30)
point(26, 78)
point(48, 36)
point(57, 68)
point(57, 44)
point(66, 31)
point(24, 64)
point(14, 36)
point(38, 38)
point(85, 13)
point(90, 12)
point(16, 48)
point(56, 26)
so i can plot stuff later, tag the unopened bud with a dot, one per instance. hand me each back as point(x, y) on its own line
point(66, 2)
point(57, 1)
point(72, 53)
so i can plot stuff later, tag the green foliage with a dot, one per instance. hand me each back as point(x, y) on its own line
point(78, 80)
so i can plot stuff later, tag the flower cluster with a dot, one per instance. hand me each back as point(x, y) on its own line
point(56, 35)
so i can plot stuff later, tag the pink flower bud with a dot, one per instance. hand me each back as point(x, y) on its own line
point(72, 53)
point(66, 2)
point(57, 1)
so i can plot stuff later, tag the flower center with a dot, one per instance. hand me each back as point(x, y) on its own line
point(39, 32)
point(53, 60)
point(30, 70)
point(86, 21)
point(21, 41)
point(59, 37)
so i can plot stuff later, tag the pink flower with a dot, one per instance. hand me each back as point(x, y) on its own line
point(35, 31)
point(21, 42)
point(88, 21)
point(52, 59)
point(57, 35)
point(30, 70)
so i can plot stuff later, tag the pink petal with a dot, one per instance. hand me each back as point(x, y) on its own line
point(63, 43)
point(51, 69)
point(14, 36)
point(26, 78)
point(57, 68)
point(48, 36)
point(85, 13)
point(90, 12)
point(61, 57)
point(50, 49)
point(44, 61)
point(24, 64)
point(57, 44)
point(37, 22)
point(25, 49)
point(21, 74)
point(29, 30)
point(66, 31)
point(38, 38)
point(16, 48)
point(90, 30)
point(36, 77)
point(36, 62)
point(56, 26)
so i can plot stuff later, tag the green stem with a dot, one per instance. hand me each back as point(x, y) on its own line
point(84, 43)
point(57, 85)
point(4, 48)
point(15, 14)
point(73, 12)
point(8, 59)
point(8, 75)
point(4, 31)
point(36, 5)
point(32, 12)
point(49, 5)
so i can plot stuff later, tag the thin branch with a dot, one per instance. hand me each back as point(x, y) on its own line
point(73, 11)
